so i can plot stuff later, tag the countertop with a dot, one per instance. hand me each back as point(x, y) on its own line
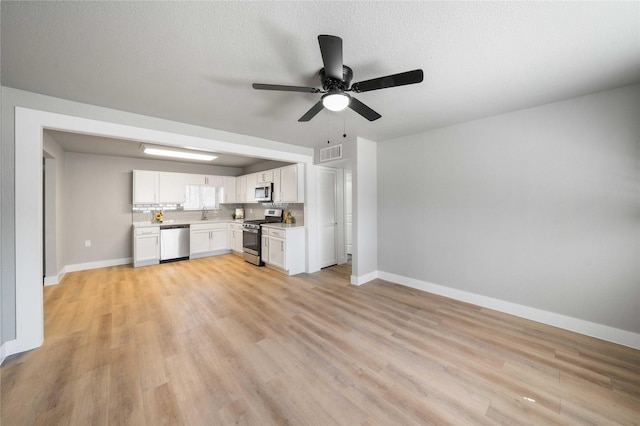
point(183, 222)
point(282, 225)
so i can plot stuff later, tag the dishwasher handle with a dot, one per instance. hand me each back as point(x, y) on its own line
point(174, 226)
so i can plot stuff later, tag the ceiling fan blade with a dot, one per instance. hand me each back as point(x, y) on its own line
point(363, 110)
point(401, 79)
point(312, 112)
point(331, 49)
point(285, 88)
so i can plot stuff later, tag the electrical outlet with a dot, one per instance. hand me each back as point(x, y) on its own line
point(87, 243)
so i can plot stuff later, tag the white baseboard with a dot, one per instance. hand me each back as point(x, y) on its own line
point(362, 279)
point(98, 264)
point(587, 328)
point(3, 351)
point(56, 278)
point(13, 347)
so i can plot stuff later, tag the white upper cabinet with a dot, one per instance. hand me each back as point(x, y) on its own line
point(204, 180)
point(214, 181)
point(229, 194)
point(252, 181)
point(291, 184)
point(171, 188)
point(266, 176)
point(153, 187)
point(145, 187)
point(241, 189)
point(196, 179)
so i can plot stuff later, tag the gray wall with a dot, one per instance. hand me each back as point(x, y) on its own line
point(98, 201)
point(539, 207)
point(261, 167)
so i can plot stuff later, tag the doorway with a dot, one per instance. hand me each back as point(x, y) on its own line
point(331, 216)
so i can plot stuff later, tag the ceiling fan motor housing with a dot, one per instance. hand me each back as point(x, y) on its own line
point(331, 84)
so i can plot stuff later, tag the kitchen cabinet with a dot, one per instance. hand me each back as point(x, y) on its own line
point(229, 194)
point(207, 239)
point(171, 188)
point(276, 251)
point(203, 180)
point(212, 180)
point(288, 184)
point(292, 183)
point(264, 249)
point(146, 246)
point(235, 237)
point(252, 181)
point(192, 179)
point(285, 248)
point(266, 176)
point(241, 189)
point(145, 187)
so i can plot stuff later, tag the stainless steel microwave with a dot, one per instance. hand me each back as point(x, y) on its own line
point(263, 191)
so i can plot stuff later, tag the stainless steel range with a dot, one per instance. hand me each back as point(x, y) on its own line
point(252, 235)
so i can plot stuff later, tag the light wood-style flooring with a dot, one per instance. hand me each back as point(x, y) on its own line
point(218, 341)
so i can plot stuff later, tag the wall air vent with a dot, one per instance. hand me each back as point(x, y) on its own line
point(331, 153)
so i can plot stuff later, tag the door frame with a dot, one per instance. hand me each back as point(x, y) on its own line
point(341, 254)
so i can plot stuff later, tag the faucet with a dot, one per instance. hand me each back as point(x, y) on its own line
point(204, 214)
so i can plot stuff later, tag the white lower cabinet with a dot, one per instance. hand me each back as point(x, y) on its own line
point(264, 250)
point(276, 252)
point(235, 237)
point(207, 239)
point(285, 248)
point(146, 246)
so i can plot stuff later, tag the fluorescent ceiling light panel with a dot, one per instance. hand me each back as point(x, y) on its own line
point(178, 154)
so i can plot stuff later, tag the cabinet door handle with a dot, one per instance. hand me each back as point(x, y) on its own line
point(281, 245)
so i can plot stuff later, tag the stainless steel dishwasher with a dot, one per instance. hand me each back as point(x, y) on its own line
point(174, 242)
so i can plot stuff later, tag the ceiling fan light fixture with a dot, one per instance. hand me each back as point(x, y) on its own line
point(177, 154)
point(336, 101)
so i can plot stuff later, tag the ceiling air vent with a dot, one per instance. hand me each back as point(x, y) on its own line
point(331, 153)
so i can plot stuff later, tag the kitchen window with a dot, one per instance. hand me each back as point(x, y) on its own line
point(200, 197)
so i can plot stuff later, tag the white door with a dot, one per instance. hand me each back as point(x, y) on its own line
point(348, 191)
point(327, 218)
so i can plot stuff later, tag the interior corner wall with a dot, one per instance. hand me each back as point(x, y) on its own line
point(539, 207)
point(365, 222)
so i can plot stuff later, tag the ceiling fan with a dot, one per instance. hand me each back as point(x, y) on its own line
point(336, 77)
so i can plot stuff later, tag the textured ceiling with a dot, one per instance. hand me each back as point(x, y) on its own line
point(194, 62)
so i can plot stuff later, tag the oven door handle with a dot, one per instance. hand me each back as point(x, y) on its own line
point(253, 231)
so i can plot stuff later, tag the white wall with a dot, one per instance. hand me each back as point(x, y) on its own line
point(539, 207)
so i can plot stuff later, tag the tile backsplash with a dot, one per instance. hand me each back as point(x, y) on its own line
point(251, 211)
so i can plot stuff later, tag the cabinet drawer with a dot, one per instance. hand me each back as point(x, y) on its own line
point(279, 233)
point(148, 231)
